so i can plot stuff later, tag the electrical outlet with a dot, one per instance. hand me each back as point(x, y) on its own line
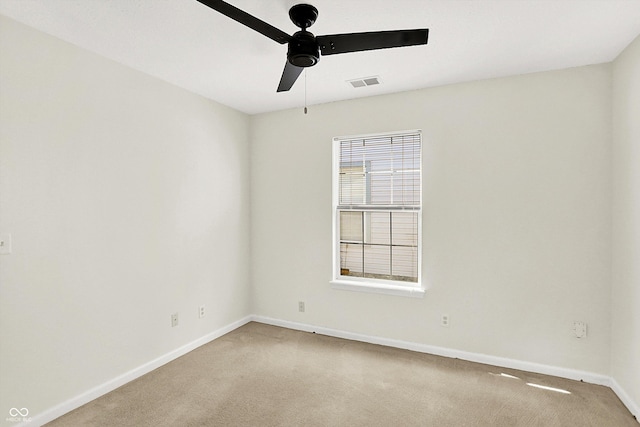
point(5, 244)
point(301, 306)
point(444, 320)
point(580, 329)
point(174, 320)
point(201, 311)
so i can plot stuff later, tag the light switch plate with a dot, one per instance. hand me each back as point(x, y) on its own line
point(5, 244)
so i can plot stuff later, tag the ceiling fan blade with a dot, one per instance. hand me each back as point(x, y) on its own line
point(343, 43)
point(249, 20)
point(289, 76)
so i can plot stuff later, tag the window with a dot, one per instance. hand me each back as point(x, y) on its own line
point(377, 213)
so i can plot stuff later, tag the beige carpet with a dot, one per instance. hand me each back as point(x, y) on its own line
point(260, 375)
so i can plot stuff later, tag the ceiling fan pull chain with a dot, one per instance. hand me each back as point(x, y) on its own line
point(305, 91)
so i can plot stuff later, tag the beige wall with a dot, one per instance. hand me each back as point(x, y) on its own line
point(517, 217)
point(127, 200)
point(625, 331)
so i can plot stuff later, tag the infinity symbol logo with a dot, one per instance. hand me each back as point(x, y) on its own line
point(14, 412)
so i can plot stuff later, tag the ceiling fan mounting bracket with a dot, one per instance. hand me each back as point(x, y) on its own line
point(303, 15)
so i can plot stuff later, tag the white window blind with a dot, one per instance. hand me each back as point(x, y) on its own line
point(378, 207)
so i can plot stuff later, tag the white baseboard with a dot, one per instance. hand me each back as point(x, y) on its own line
point(588, 377)
point(75, 402)
point(633, 407)
point(446, 352)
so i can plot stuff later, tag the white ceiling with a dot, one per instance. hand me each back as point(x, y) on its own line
point(192, 46)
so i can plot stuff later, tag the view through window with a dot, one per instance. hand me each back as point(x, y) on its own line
point(378, 206)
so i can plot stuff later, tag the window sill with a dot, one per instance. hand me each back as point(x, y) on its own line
point(378, 288)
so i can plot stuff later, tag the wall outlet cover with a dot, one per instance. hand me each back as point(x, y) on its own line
point(580, 329)
point(444, 320)
point(5, 244)
point(174, 320)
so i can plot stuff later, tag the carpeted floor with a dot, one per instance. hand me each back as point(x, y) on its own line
point(260, 375)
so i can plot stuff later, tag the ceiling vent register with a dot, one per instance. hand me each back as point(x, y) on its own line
point(365, 81)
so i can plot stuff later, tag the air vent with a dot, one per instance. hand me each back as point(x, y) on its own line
point(364, 81)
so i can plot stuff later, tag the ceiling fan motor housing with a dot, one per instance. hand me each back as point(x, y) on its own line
point(303, 50)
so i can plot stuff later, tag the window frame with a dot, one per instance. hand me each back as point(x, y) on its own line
point(368, 284)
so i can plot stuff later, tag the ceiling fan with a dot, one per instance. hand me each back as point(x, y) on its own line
point(305, 48)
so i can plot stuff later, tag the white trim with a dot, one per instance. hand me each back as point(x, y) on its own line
point(376, 134)
point(389, 287)
point(378, 288)
point(521, 365)
point(74, 403)
point(102, 389)
point(573, 374)
point(626, 399)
